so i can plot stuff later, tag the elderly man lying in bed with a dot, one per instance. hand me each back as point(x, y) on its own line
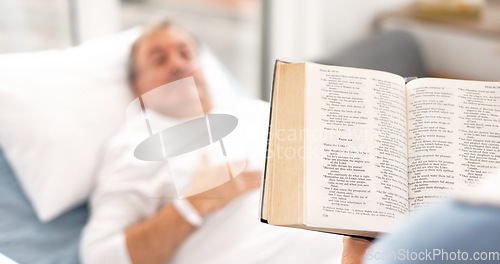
point(133, 218)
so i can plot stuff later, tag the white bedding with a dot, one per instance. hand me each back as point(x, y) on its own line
point(58, 107)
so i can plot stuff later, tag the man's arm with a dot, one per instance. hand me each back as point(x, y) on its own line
point(155, 239)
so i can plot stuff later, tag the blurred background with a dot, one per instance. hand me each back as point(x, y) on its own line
point(455, 38)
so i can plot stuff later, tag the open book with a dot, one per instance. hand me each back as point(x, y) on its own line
point(353, 151)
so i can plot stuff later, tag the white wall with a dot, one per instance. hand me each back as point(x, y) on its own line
point(308, 29)
point(350, 20)
point(97, 18)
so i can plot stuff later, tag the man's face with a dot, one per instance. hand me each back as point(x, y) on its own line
point(166, 56)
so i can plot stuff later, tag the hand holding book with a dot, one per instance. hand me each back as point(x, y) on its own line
point(354, 249)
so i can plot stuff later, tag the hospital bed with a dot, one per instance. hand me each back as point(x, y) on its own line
point(27, 239)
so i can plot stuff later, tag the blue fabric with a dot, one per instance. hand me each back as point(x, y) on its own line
point(437, 232)
point(25, 239)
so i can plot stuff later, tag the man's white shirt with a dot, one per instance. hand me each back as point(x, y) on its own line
point(130, 190)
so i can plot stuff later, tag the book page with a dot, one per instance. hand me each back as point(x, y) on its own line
point(453, 136)
point(356, 148)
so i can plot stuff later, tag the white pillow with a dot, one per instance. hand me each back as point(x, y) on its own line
point(58, 107)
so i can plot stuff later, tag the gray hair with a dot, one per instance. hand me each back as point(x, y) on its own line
point(150, 29)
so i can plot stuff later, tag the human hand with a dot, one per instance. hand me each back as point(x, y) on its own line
point(226, 190)
point(354, 250)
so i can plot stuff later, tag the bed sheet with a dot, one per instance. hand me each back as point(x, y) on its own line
point(26, 240)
